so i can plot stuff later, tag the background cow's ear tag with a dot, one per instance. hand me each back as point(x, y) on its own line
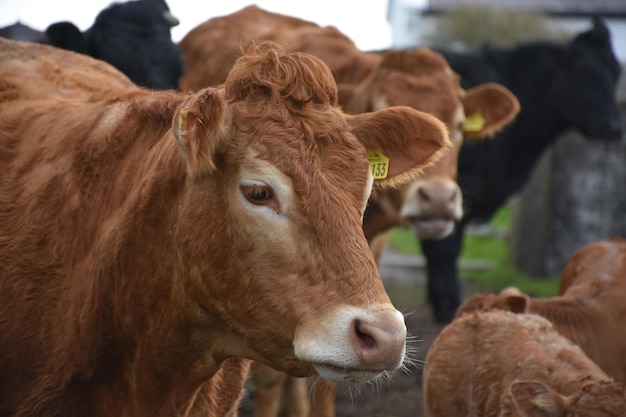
point(178, 129)
point(474, 122)
point(379, 163)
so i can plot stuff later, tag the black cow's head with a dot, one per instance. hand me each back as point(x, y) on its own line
point(133, 36)
point(585, 84)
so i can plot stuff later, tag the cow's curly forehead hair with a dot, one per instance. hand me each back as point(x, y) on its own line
point(265, 72)
point(287, 103)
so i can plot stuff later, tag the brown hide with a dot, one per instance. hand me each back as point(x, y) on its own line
point(152, 242)
point(78, 76)
point(496, 364)
point(420, 78)
point(593, 264)
point(591, 309)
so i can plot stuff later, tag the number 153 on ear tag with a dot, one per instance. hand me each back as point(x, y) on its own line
point(379, 163)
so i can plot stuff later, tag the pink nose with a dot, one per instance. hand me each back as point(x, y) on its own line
point(439, 198)
point(379, 341)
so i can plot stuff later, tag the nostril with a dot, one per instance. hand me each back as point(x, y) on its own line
point(365, 339)
point(378, 340)
point(423, 194)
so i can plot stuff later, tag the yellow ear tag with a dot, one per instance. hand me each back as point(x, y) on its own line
point(544, 402)
point(180, 120)
point(379, 164)
point(179, 129)
point(474, 122)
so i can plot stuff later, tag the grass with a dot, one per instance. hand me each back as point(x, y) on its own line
point(492, 249)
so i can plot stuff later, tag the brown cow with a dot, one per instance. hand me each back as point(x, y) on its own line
point(151, 243)
point(590, 311)
point(419, 78)
point(497, 364)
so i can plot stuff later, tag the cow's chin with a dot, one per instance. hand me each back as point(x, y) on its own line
point(337, 374)
point(431, 228)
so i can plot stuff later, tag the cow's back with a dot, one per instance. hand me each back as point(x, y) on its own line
point(57, 75)
point(597, 263)
point(212, 47)
point(499, 349)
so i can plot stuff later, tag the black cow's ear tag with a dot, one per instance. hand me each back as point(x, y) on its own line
point(379, 164)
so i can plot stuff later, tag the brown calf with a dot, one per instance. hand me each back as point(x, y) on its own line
point(591, 309)
point(497, 364)
point(151, 243)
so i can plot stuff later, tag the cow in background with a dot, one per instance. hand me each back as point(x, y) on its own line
point(497, 364)
point(133, 36)
point(419, 78)
point(149, 240)
point(590, 309)
point(560, 86)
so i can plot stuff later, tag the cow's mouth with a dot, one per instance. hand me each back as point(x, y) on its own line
point(339, 374)
point(431, 227)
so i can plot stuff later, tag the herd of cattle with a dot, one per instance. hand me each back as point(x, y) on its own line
point(176, 219)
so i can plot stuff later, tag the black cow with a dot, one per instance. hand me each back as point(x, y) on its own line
point(559, 86)
point(134, 37)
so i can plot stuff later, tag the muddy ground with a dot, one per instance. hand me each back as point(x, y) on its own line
point(404, 279)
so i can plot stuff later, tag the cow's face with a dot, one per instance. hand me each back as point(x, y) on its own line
point(283, 182)
point(422, 79)
point(585, 84)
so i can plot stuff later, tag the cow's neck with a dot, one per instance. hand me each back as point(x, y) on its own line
point(539, 122)
point(533, 134)
point(513, 155)
point(143, 322)
point(173, 324)
point(576, 317)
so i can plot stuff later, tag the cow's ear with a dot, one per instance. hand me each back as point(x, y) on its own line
point(200, 127)
point(488, 107)
point(517, 303)
point(401, 142)
point(534, 399)
point(67, 35)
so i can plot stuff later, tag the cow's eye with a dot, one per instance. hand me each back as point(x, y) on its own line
point(260, 195)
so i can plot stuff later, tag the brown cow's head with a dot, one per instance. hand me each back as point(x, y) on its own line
point(285, 276)
point(422, 79)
